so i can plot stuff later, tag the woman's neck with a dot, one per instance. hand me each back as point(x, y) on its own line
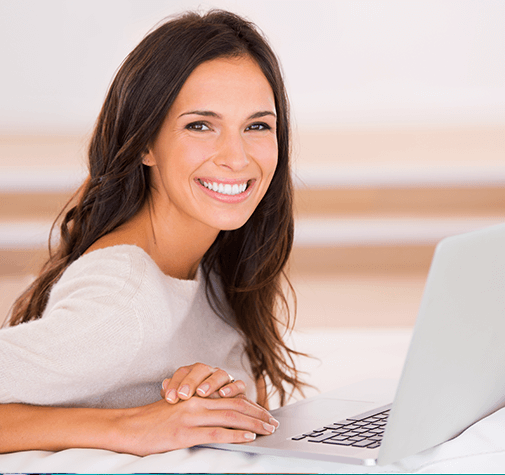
point(177, 247)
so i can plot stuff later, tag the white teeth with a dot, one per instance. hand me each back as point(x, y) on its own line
point(225, 189)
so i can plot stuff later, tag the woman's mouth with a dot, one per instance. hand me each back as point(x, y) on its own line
point(226, 188)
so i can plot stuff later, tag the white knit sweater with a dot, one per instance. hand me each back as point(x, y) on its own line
point(114, 327)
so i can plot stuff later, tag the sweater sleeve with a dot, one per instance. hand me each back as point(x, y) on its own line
point(82, 345)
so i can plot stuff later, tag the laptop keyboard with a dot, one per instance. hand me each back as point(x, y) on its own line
point(366, 432)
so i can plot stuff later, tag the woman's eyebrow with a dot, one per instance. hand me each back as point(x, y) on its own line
point(258, 115)
point(207, 113)
point(203, 112)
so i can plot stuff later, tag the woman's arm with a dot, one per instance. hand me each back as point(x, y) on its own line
point(25, 427)
point(154, 428)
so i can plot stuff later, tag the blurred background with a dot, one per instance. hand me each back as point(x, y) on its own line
point(398, 118)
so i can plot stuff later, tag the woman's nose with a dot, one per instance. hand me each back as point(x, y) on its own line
point(232, 152)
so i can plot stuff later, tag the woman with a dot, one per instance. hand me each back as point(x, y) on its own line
point(170, 262)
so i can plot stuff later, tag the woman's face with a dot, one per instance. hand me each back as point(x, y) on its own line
point(216, 152)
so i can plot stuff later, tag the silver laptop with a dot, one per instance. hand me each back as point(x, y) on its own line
point(454, 373)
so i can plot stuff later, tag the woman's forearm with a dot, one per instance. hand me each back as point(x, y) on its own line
point(144, 430)
point(25, 427)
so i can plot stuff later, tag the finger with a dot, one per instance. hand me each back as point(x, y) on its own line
point(242, 407)
point(231, 419)
point(214, 382)
point(164, 385)
point(233, 389)
point(172, 384)
point(255, 404)
point(197, 376)
point(241, 394)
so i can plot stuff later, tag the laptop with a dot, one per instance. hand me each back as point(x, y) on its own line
point(453, 376)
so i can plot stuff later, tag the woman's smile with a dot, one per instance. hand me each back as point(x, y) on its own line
point(224, 188)
point(227, 191)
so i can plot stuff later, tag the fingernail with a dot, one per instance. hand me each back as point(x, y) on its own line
point(269, 427)
point(184, 391)
point(274, 422)
point(250, 436)
point(203, 389)
point(225, 391)
point(164, 384)
point(171, 395)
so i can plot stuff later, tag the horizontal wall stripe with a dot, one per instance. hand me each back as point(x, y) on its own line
point(309, 232)
point(46, 181)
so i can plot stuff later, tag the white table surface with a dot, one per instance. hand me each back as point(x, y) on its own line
point(347, 357)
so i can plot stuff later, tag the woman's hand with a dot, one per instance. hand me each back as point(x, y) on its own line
point(201, 380)
point(160, 427)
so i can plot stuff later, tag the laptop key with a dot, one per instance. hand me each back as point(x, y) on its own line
point(334, 426)
point(363, 443)
point(345, 422)
point(382, 415)
point(370, 419)
point(339, 437)
point(357, 439)
point(360, 430)
point(337, 442)
point(369, 435)
point(377, 431)
point(320, 437)
point(352, 426)
point(340, 431)
point(373, 446)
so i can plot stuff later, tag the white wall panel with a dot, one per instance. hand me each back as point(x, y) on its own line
point(347, 62)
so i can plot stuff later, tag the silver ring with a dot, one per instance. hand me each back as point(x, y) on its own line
point(232, 379)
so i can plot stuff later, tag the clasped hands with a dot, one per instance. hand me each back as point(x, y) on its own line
point(200, 380)
point(207, 406)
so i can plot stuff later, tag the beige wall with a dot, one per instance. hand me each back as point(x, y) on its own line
point(371, 205)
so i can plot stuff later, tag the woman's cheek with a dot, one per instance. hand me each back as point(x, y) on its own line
point(266, 154)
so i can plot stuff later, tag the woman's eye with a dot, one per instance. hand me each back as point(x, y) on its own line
point(198, 126)
point(259, 126)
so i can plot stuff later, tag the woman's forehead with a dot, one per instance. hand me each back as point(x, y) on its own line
point(225, 83)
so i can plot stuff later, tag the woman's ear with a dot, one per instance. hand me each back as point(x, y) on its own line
point(148, 159)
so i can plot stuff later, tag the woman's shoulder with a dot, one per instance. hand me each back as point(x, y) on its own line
point(120, 262)
point(125, 272)
point(106, 271)
point(122, 257)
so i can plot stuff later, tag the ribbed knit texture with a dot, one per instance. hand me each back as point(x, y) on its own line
point(115, 326)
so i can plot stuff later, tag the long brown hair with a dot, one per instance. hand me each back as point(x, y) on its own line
point(251, 260)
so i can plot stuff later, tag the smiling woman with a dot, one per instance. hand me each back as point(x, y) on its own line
point(170, 262)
